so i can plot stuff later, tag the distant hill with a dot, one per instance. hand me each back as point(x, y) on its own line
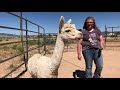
point(13, 35)
point(8, 35)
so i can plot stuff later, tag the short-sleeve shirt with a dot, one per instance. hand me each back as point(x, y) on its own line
point(91, 39)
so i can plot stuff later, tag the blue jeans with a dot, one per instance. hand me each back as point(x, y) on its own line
point(90, 55)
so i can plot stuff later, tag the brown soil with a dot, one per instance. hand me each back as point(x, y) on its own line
point(71, 66)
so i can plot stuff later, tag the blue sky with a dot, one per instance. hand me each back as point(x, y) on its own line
point(50, 20)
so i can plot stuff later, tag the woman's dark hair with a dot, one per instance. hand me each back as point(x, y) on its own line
point(94, 23)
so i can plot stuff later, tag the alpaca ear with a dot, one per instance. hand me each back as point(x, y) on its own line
point(69, 21)
point(61, 24)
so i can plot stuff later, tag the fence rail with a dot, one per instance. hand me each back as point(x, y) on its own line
point(24, 53)
point(111, 35)
point(48, 39)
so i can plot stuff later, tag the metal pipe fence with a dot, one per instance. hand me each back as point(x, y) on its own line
point(112, 35)
point(47, 39)
point(25, 52)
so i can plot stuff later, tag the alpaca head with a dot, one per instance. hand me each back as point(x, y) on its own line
point(68, 30)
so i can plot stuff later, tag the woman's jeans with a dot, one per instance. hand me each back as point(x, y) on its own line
point(90, 55)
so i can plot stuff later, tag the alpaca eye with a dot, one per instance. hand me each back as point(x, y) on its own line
point(67, 31)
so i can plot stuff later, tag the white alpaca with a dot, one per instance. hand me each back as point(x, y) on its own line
point(44, 67)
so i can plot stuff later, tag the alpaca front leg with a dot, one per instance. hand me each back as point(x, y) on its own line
point(55, 75)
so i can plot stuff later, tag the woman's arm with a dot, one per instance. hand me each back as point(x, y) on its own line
point(79, 48)
point(101, 42)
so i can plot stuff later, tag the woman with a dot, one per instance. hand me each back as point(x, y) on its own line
point(91, 46)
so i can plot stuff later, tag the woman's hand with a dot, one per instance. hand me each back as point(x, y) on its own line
point(79, 57)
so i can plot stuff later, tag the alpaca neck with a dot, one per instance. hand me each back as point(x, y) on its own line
point(58, 53)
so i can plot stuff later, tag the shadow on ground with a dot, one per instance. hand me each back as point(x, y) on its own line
point(79, 74)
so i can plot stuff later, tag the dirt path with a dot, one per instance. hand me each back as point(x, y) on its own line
point(71, 66)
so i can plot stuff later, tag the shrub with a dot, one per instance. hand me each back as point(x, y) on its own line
point(1, 40)
point(14, 46)
point(5, 47)
point(19, 49)
point(12, 66)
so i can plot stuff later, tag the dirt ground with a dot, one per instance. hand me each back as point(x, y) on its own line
point(71, 67)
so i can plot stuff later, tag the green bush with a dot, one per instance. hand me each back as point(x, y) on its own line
point(32, 42)
point(1, 40)
point(50, 41)
point(19, 49)
point(5, 47)
point(12, 66)
point(14, 46)
point(6, 39)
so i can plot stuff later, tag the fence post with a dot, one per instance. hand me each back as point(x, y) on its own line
point(26, 61)
point(21, 35)
point(44, 36)
point(112, 31)
point(38, 40)
point(105, 35)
